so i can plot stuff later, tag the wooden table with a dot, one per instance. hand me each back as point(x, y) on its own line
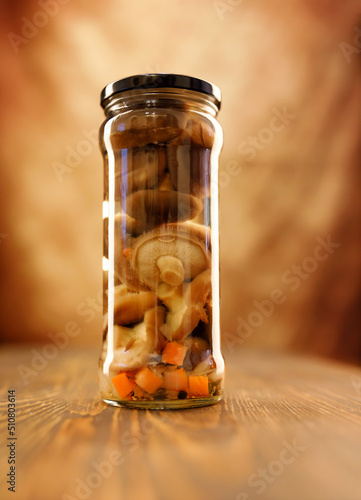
point(289, 428)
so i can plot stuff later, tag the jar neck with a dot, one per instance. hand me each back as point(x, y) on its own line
point(160, 98)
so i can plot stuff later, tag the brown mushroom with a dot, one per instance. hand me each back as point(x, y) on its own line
point(156, 207)
point(154, 319)
point(124, 228)
point(166, 183)
point(206, 367)
point(143, 129)
point(125, 272)
point(179, 324)
point(198, 131)
point(134, 346)
point(189, 256)
point(130, 308)
point(204, 330)
point(190, 169)
point(200, 231)
point(186, 312)
point(198, 350)
point(125, 224)
point(115, 291)
point(170, 296)
point(189, 157)
point(131, 347)
point(197, 292)
point(138, 168)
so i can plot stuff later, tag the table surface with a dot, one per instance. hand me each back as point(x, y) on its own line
point(289, 428)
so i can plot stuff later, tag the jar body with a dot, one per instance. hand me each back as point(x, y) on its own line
point(161, 334)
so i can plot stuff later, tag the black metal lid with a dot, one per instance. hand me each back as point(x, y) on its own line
point(160, 80)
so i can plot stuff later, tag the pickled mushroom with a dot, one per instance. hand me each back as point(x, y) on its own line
point(197, 132)
point(139, 169)
point(124, 228)
point(185, 312)
point(188, 167)
point(133, 346)
point(166, 184)
point(156, 207)
point(131, 308)
point(198, 350)
point(200, 231)
point(123, 224)
point(189, 257)
point(144, 129)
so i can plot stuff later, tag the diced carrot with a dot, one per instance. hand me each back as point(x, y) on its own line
point(174, 353)
point(148, 381)
point(127, 252)
point(123, 385)
point(176, 380)
point(198, 385)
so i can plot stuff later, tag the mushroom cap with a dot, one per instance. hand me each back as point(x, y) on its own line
point(131, 308)
point(141, 137)
point(200, 231)
point(168, 241)
point(138, 168)
point(141, 129)
point(125, 273)
point(198, 131)
point(189, 157)
point(157, 206)
point(124, 227)
point(190, 169)
point(125, 224)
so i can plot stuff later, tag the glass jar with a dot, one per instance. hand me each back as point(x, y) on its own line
point(161, 336)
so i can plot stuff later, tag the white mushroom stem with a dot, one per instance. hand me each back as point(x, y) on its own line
point(171, 269)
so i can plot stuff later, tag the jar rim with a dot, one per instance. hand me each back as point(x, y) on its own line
point(160, 81)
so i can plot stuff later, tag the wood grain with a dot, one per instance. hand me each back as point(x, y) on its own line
point(288, 429)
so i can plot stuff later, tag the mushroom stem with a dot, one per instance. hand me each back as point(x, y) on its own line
point(171, 269)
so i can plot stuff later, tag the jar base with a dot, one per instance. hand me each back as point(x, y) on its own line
point(164, 404)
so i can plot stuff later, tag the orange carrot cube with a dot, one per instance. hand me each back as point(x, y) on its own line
point(148, 381)
point(174, 353)
point(176, 380)
point(198, 385)
point(123, 385)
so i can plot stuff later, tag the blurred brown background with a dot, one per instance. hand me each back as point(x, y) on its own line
point(289, 72)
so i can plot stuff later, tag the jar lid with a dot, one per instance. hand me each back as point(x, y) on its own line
point(160, 80)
